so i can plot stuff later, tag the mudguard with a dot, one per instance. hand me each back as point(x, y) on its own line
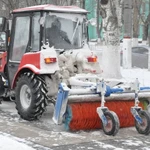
point(35, 62)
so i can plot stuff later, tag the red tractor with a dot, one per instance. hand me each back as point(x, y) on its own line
point(45, 58)
point(47, 45)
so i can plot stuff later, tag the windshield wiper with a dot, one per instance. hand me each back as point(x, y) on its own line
point(75, 30)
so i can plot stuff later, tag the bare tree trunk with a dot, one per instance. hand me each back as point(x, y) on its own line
point(128, 33)
point(136, 6)
point(97, 16)
point(27, 3)
point(144, 20)
point(17, 4)
point(82, 4)
point(111, 45)
point(145, 27)
point(71, 2)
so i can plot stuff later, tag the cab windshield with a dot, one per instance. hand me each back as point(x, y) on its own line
point(64, 32)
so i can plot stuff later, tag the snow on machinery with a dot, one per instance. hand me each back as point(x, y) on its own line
point(47, 53)
point(72, 106)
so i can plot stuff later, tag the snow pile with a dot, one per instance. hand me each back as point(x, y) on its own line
point(10, 143)
point(143, 76)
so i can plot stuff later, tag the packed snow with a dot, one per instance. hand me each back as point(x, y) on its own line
point(142, 75)
point(9, 142)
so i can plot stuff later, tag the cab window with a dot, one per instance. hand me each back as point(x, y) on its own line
point(35, 37)
point(21, 37)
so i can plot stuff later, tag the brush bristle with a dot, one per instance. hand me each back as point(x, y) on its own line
point(83, 116)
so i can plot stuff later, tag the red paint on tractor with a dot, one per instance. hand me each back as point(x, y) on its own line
point(3, 60)
point(30, 58)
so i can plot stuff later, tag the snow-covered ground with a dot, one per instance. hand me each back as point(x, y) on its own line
point(9, 142)
point(143, 75)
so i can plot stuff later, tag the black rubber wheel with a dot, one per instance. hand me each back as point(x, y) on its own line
point(6, 98)
point(2, 88)
point(113, 124)
point(30, 96)
point(144, 127)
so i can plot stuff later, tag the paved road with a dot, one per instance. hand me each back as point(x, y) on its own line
point(130, 143)
point(45, 135)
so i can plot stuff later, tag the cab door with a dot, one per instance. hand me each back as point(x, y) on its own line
point(20, 37)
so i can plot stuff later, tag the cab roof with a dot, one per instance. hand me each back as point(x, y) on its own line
point(52, 8)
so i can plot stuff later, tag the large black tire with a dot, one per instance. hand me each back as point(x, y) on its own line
point(6, 98)
point(113, 124)
point(143, 128)
point(30, 96)
point(2, 88)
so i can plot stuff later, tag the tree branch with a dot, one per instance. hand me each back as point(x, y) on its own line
point(138, 7)
point(27, 3)
point(4, 2)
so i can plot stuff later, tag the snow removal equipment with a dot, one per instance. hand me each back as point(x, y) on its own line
point(45, 58)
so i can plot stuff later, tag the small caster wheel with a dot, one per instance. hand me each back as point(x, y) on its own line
point(144, 127)
point(148, 108)
point(113, 124)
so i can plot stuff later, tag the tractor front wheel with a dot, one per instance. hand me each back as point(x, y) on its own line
point(30, 96)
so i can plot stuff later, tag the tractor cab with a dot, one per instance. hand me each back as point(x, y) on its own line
point(61, 27)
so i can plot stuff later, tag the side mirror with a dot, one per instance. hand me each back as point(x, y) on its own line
point(92, 22)
point(3, 41)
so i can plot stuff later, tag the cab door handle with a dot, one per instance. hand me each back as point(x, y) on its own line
point(11, 65)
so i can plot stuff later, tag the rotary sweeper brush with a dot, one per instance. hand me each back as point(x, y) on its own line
point(84, 108)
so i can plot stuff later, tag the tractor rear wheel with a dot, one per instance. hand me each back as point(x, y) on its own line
point(30, 96)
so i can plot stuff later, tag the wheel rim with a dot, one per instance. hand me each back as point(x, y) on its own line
point(144, 124)
point(25, 96)
point(109, 125)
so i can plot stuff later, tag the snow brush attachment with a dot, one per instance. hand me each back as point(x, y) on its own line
point(83, 108)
